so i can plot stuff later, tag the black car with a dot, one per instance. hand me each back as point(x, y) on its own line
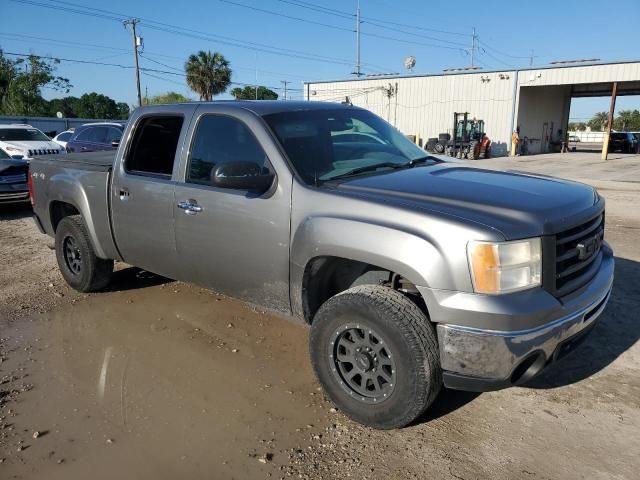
point(624, 142)
point(94, 137)
point(13, 179)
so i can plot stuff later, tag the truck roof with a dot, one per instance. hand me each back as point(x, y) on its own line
point(265, 107)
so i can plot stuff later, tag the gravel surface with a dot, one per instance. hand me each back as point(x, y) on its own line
point(159, 379)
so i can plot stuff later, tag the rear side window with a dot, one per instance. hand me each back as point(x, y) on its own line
point(154, 145)
point(220, 139)
point(64, 136)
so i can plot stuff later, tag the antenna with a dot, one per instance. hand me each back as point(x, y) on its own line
point(410, 62)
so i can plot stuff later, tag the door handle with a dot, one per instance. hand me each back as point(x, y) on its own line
point(190, 207)
point(123, 193)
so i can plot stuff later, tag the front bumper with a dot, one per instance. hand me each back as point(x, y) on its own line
point(480, 358)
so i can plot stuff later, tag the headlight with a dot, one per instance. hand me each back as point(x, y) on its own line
point(13, 149)
point(504, 267)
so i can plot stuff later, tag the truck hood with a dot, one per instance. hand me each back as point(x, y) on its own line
point(517, 204)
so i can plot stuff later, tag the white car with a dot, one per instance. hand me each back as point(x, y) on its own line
point(25, 141)
point(63, 137)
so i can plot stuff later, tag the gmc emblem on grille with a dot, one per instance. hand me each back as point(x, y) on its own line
point(589, 247)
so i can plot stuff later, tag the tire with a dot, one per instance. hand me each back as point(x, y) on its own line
point(473, 151)
point(405, 339)
point(80, 267)
point(439, 148)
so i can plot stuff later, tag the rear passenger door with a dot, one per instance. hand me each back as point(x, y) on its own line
point(238, 241)
point(142, 193)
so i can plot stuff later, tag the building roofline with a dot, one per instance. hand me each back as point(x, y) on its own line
point(472, 72)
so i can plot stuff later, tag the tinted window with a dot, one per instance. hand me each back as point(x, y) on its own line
point(64, 136)
point(93, 135)
point(322, 144)
point(22, 135)
point(220, 139)
point(154, 145)
point(113, 135)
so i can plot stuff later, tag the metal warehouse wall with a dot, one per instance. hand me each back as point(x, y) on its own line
point(425, 105)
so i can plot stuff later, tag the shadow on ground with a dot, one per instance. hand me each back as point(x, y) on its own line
point(617, 330)
point(134, 278)
point(15, 211)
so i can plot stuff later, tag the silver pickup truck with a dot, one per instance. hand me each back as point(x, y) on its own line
point(413, 272)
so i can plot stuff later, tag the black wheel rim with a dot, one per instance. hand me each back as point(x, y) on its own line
point(362, 362)
point(72, 256)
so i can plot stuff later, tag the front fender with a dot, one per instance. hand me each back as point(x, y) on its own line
point(415, 258)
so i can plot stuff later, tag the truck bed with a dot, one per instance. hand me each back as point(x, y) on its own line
point(95, 161)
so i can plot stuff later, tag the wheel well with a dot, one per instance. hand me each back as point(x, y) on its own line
point(59, 210)
point(325, 277)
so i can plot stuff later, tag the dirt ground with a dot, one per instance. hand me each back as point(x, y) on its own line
point(159, 379)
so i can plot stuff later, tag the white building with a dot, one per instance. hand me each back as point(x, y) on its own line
point(537, 100)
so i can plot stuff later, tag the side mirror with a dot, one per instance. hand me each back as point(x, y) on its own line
point(242, 176)
point(115, 143)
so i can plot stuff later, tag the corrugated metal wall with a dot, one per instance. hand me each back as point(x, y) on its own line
point(425, 105)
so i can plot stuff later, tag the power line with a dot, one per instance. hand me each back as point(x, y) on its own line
point(182, 31)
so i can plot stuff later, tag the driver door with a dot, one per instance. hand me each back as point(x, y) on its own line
point(233, 241)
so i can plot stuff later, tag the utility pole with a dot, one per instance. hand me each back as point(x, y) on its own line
point(357, 71)
point(531, 57)
point(474, 36)
point(137, 42)
point(285, 82)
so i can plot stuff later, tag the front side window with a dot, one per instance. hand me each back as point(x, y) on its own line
point(22, 135)
point(92, 135)
point(325, 144)
point(221, 139)
point(154, 145)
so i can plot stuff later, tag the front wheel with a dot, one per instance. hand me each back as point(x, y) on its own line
point(376, 354)
point(80, 267)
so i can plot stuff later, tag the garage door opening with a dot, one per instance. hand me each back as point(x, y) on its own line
point(588, 118)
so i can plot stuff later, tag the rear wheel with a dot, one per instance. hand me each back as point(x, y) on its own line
point(376, 355)
point(80, 267)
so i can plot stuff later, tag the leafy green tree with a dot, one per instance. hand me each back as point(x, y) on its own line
point(249, 93)
point(22, 81)
point(599, 121)
point(96, 105)
point(67, 106)
point(627, 120)
point(123, 110)
point(169, 97)
point(208, 74)
point(577, 126)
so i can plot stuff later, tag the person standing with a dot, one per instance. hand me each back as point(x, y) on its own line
point(515, 142)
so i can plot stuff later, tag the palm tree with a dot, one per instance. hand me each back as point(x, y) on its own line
point(208, 74)
point(599, 121)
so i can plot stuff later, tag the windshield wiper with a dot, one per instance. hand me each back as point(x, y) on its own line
point(391, 165)
point(368, 168)
point(421, 160)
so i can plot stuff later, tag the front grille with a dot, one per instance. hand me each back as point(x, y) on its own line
point(43, 151)
point(573, 256)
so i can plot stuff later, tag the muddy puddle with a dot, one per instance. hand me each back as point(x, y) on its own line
point(169, 381)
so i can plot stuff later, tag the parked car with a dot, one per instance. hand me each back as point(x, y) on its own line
point(13, 179)
point(25, 141)
point(624, 142)
point(63, 137)
point(94, 137)
point(574, 138)
point(413, 272)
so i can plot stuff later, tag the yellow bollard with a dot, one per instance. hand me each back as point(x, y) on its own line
point(605, 146)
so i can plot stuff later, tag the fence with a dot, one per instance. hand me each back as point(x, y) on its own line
point(51, 125)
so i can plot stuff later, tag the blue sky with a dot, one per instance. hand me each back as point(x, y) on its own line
point(508, 32)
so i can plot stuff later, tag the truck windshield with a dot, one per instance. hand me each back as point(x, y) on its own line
point(327, 144)
point(22, 135)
